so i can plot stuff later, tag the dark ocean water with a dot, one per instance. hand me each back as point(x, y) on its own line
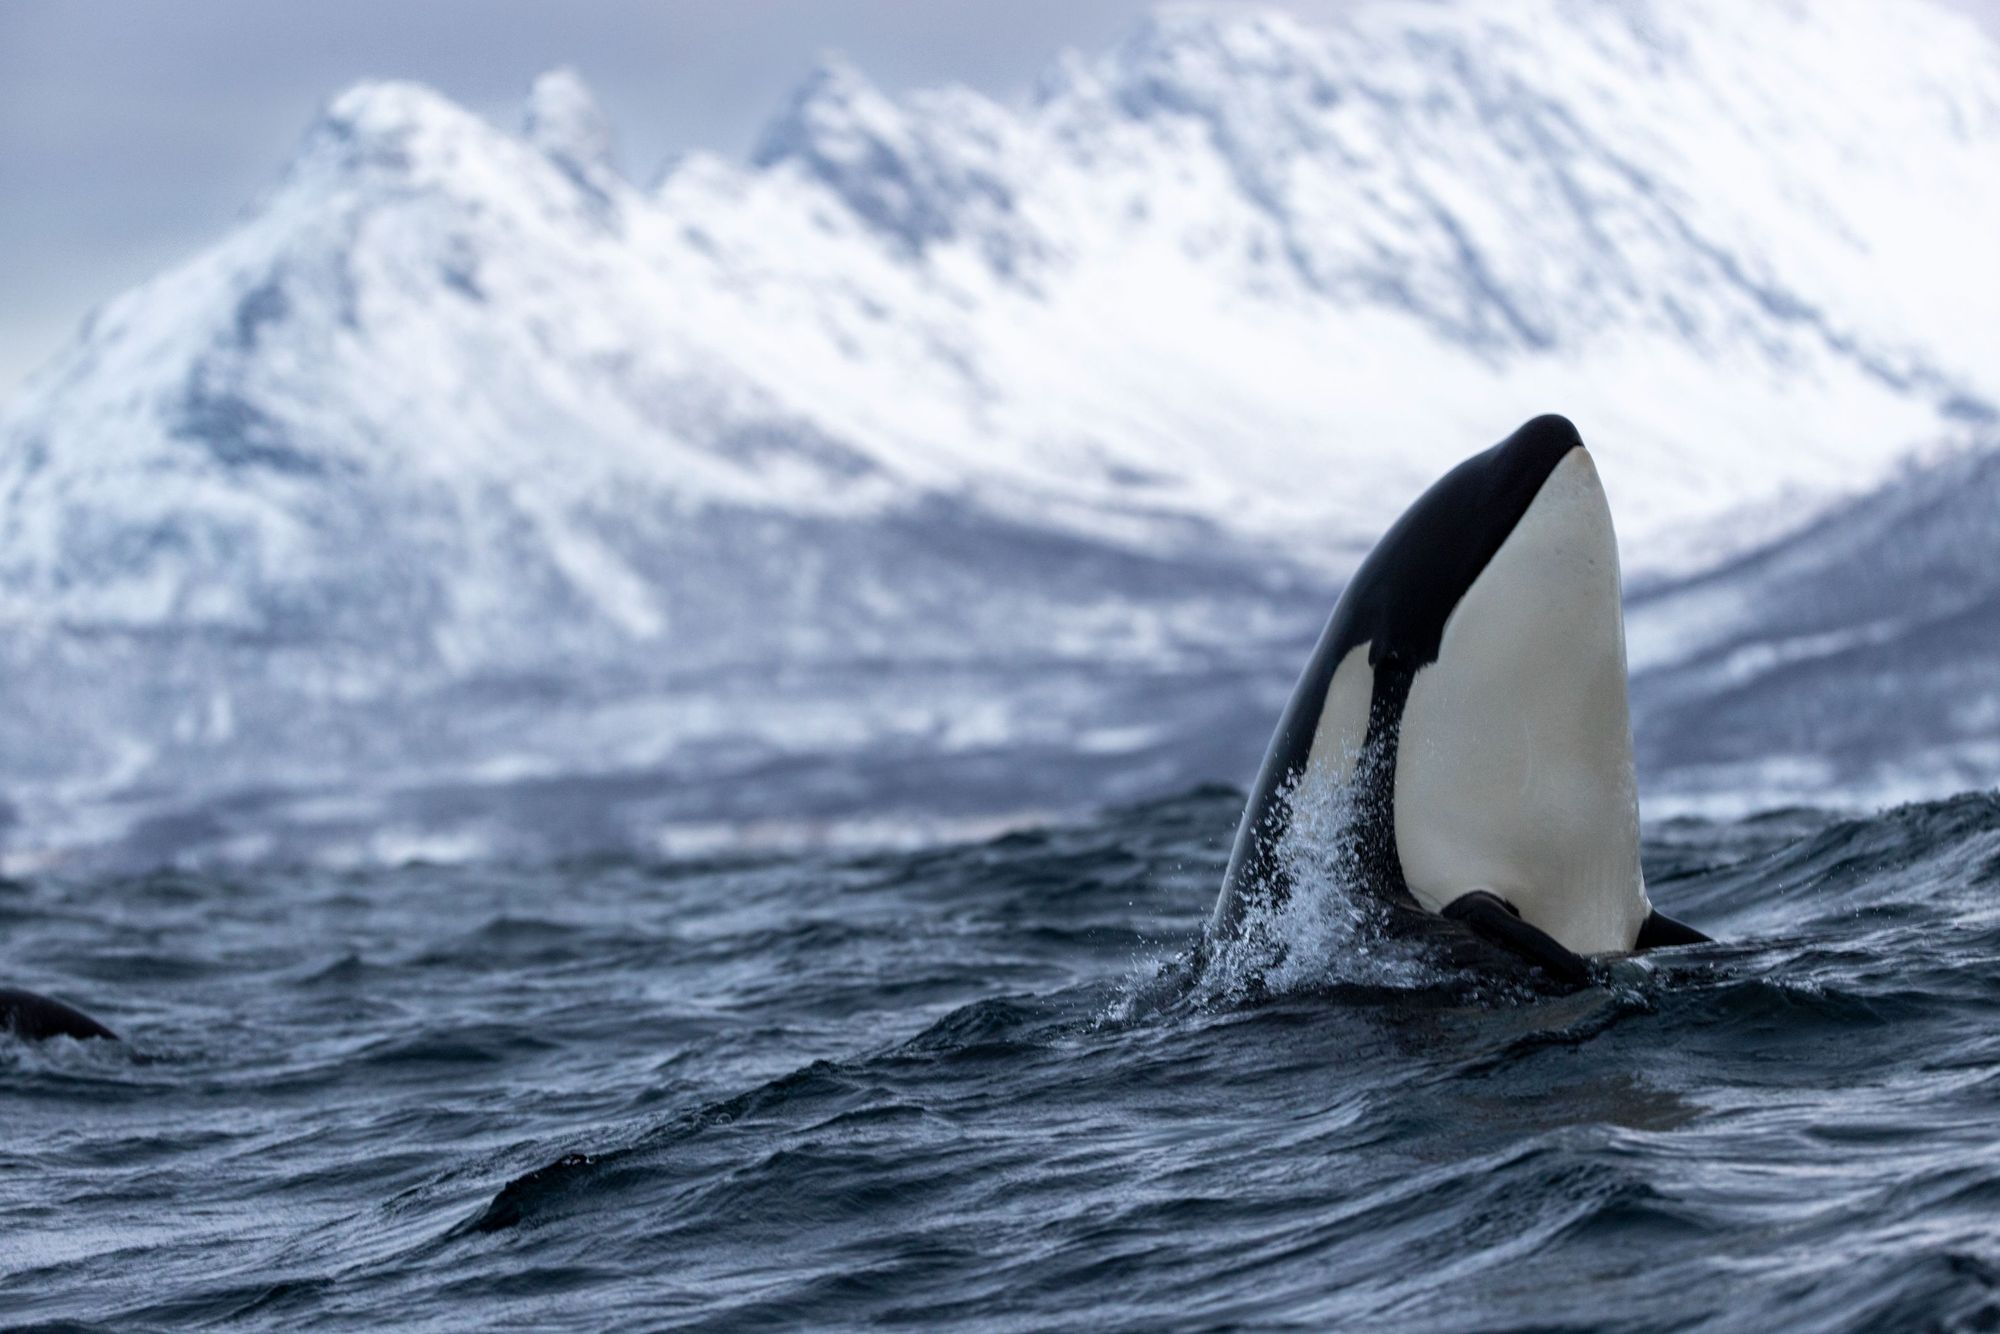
point(953, 1087)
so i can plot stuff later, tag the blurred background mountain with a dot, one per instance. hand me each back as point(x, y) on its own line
point(954, 457)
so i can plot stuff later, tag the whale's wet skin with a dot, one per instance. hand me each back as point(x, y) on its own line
point(1463, 722)
point(950, 1085)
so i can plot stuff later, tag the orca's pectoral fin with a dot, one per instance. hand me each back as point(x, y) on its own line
point(1659, 930)
point(1493, 919)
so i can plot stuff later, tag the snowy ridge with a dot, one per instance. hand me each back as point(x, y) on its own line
point(1850, 661)
point(1129, 374)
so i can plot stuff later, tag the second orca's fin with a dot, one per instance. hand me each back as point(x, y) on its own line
point(32, 1018)
point(1660, 930)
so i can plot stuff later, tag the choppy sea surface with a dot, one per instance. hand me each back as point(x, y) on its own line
point(967, 1087)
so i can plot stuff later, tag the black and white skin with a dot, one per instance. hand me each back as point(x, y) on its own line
point(1466, 707)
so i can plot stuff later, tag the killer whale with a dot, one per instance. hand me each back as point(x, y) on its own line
point(1466, 705)
point(33, 1018)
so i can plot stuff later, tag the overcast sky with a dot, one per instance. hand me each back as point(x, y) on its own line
point(133, 131)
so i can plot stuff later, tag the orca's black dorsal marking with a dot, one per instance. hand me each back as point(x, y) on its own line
point(1468, 699)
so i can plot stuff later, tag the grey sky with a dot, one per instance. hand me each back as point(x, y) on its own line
point(132, 131)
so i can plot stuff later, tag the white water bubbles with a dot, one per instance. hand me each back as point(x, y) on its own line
point(1316, 919)
point(1319, 919)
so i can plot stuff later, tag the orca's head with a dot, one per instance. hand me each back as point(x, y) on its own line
point(1400, 598)
point(1514, 766)
point(1469, 692)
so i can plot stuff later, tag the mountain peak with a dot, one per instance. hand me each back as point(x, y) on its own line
point(388, 109)
point(389, 125)
point(1243, 38)
point(835, 116)
point(563, 119)
point(1068, 76)
point(1189, 55)
point(840, 129)
point(1177, 25)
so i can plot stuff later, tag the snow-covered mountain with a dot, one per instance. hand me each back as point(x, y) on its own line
point(942, 427)
point(1857, 659)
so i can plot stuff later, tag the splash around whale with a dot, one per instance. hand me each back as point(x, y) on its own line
point(1461, 732)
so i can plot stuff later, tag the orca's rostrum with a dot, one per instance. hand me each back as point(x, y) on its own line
point(1465, 709)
